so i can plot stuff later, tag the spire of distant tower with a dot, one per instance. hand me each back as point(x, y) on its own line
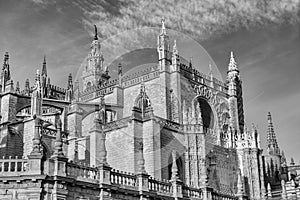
point(232, 66)
point(96, 33)
point(163, 27)
point(44, 69)
point(271, 137)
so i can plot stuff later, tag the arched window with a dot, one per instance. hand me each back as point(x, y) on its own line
point(207, 113)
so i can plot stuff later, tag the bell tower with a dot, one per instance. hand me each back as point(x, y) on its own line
point(94, 72)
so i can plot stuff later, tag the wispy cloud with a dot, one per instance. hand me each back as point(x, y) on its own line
point(202, 19)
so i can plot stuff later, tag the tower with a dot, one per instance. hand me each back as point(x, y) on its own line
point(163, 47)
point(273, 168)
point(272, 145)
point(5, 73)
point(235, 96)
point(94, 72)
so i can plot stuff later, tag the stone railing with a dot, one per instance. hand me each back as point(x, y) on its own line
point(96, 91)
point(161, 187)
point(199, 77)
point(82, 171)
point(93, 176)
point(12, 166)
point(191, 192)
point(218, 196)
point(123, 178)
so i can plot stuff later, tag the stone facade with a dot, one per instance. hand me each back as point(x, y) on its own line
point(166, 131)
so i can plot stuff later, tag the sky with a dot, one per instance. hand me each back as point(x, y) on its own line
point(264, 35)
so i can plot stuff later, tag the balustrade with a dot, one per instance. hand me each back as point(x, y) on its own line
point(12, 165)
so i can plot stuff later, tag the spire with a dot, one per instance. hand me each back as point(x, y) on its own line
point(163, 27)
point(232, 66)
point(271, 137)
point(70, 82)
point(163, 48)
point(44, 69)
point(27, 86)
point(17, 87)
point(96, 33)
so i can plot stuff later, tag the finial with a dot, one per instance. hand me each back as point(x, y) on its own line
point(96, 33)
point(44, 69)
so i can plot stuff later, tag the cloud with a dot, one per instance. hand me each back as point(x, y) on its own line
point(202, 19)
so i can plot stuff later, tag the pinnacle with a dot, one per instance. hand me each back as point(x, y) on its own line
point(232, 66)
